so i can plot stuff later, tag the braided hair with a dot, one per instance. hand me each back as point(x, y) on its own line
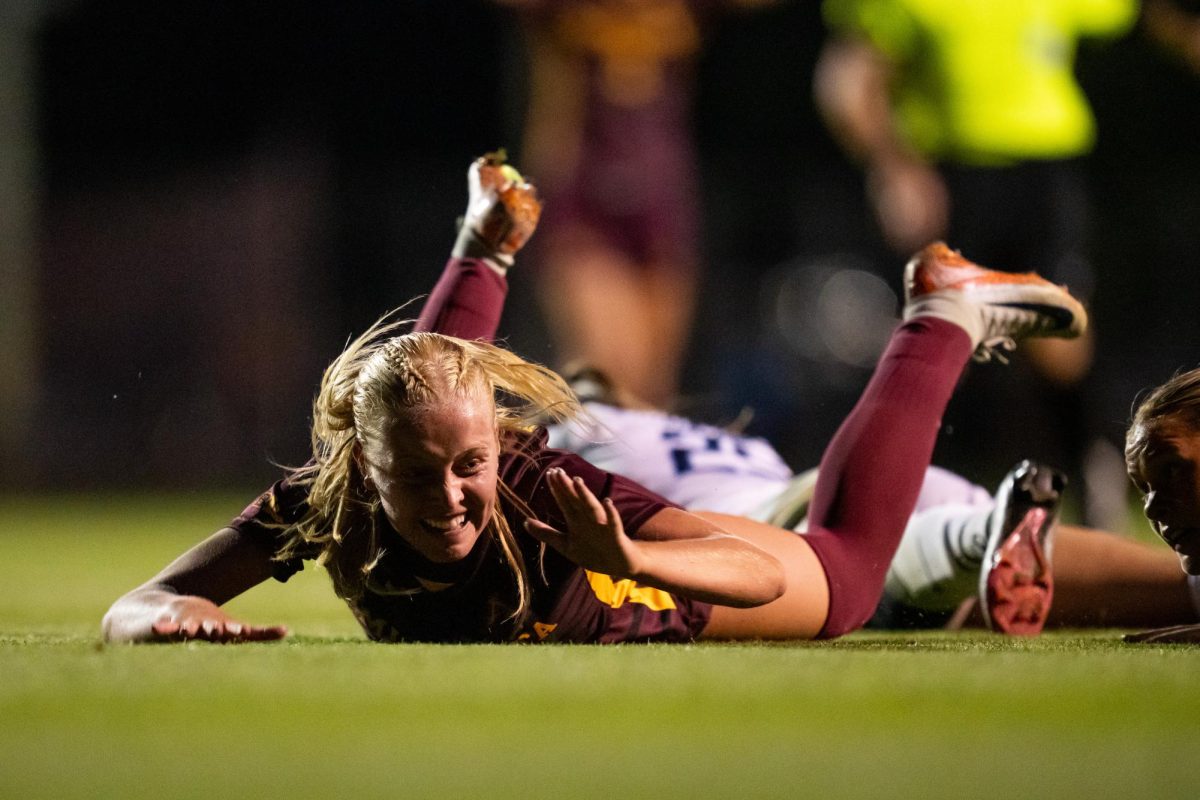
point(380, 376)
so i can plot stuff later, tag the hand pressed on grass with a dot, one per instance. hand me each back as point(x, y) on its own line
point(197, 618)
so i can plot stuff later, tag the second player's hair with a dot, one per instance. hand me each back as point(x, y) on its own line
point(380, 376)
point(1177, 399)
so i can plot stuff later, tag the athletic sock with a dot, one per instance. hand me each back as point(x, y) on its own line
point(953, 307)
point(873, 468)
point(937, 564)
point(470, 245)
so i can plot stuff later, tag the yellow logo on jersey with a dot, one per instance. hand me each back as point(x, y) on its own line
point(617, 593)
point(542, 629)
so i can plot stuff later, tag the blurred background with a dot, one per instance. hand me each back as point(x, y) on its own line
point(201, 202)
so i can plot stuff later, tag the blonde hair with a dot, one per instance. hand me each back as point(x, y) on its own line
point(379, 376)
point(1177, 399)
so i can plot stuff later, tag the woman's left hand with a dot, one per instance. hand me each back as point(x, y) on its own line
point(595, 538)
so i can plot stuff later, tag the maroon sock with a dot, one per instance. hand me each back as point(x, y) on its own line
point(466, 302)
point(872, 470)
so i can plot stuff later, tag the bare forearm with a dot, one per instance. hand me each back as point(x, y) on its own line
point(1173, 29)
point(720, 569)
point(907, 193)
point(675, 551)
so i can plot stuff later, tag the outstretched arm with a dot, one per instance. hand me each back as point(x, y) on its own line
point(676, 551)
point(182, 602)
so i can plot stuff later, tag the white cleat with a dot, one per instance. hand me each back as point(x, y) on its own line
point(1012, 306)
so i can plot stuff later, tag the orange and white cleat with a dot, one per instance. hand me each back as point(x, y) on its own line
point(1011, 306)
point(1016, 579)
point(502, 210)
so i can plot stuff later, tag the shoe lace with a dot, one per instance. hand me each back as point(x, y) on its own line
point(1004, 326)
point(997, 347)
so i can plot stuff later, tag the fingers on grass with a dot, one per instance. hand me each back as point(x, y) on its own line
point(237, 632)
point(1176, 634)
point(263, 634)
point(165, 628)
point(216, 630)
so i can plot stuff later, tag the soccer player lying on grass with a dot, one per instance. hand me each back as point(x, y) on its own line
point(1162, 454)
point(961, 542)
point(431, 498)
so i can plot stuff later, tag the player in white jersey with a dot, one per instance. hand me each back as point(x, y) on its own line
point(708, 468)
point(699, 466)
point(962, 542)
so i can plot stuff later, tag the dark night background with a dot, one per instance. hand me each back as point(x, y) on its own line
point(227, 191)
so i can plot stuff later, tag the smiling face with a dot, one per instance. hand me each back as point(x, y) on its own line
point(1167, 472)
point(435, 470)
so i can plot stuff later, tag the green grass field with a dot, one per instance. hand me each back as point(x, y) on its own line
point(326, 714)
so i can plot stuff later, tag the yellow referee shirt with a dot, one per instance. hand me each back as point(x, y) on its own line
point(986, 82)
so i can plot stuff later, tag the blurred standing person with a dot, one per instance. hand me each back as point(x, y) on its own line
point(609, 138)
point(971, 126)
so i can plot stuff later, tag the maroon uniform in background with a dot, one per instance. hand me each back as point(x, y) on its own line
point(608, 141)
point(622, 164)
point(569, 604)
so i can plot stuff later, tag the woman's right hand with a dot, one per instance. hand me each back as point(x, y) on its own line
point(190, 617)
point(155, 614)
point(183, 601)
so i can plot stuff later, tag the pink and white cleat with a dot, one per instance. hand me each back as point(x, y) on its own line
point(1016, 581)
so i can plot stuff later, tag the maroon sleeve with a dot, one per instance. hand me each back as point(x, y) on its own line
point(524, 469)
point(466, 302)
point(265, 519)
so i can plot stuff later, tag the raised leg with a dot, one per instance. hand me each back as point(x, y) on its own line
point(502, 213)
point(872, 471)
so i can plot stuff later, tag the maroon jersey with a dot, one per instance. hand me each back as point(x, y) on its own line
point(568, 603)
point(634, 179)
